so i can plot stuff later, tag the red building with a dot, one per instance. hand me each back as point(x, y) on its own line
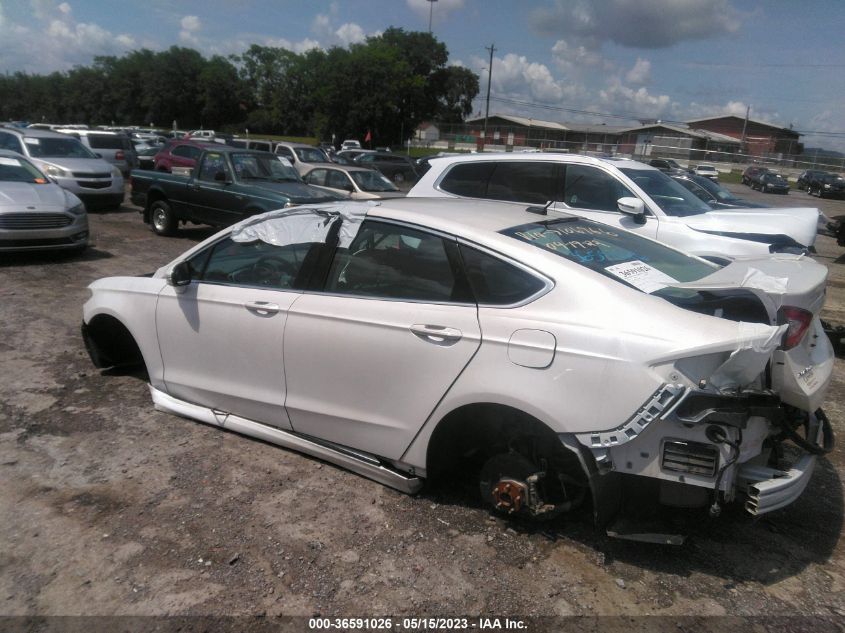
point(761, 139)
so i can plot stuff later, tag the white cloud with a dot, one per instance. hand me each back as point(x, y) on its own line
point(350, 33)
point(578, 57)
point(190, 27)
point(51, 39)
point(636, 23)
point(439, 10)
point(640, 102)
point(640, 73)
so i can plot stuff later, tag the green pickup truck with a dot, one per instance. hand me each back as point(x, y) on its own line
point(226, 186)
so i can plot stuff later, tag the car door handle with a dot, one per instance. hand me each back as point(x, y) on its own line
point(264, 308)
point(437, 334)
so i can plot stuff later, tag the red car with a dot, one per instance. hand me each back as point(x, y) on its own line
point(179, 153)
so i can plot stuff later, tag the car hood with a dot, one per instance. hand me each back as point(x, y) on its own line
point(782, 279)
point(15, 196)
point(298, 192)
point(78, 165)
point(799, 223)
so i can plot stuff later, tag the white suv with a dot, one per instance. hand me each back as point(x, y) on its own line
point(622, 193)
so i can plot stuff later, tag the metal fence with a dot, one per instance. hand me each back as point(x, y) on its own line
point(465, 137)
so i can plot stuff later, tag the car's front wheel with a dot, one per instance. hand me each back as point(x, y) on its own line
point(162, 220)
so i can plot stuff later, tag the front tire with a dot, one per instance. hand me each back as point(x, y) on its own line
point(162, 220)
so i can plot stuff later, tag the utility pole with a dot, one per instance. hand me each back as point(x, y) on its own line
point(430, 11)
point(744, 125)
point(492, 49)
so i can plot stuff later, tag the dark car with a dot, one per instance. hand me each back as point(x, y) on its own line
point(394, 166)
point(227, 185)
point(827, 186)
point(179, 153)
point(808, 175)
point(667, 165)
point(712, 193)
point(751, 173)
point(771, 182)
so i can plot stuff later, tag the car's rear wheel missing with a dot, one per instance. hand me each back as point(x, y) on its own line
point(162, 220)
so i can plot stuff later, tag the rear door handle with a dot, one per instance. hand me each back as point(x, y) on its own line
point(263, 308)
point(437, 334)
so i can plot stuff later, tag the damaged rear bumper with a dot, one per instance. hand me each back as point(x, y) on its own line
point(769, 489)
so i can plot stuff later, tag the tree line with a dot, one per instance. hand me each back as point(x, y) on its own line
point(386, 86)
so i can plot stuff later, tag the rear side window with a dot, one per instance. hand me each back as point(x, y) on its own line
point(10, 142)
point(106, 141)
point(590, 188)
point(468, 179)
point(316, 177)
point(532, 182)
point(496, 282)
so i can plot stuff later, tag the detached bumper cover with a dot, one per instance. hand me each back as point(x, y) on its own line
point(769, 489)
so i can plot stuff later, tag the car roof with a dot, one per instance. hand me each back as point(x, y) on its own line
point(38, 133)
point(474, 219)
point(292, 144)
point(556, 157)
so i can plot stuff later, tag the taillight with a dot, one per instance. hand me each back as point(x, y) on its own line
point(798, 321)
point(119, 155)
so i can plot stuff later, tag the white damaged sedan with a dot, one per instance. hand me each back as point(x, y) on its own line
point(552, 358)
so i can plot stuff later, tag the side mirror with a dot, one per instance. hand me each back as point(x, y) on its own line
point(180, 275)
point(633, 207)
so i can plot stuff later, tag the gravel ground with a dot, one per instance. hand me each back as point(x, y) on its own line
point(111, 508)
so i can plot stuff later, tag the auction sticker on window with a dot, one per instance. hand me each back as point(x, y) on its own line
point(11, 162)
point(641, 275)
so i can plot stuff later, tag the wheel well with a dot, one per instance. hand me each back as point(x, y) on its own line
point(152, 197)
point(110, 344)
point(469, 435)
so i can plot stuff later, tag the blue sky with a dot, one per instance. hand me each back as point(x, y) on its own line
point(669, 59)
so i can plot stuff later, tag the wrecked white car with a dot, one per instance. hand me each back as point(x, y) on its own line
point(551, 357)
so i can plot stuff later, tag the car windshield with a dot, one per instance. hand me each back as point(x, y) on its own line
point(707, 167)
point(372, 181)
point(623, 256)
point(57, 148)
point(720, 192)
point(263, 167)
point(672, 198)
point(18, 170)
point(311, 155)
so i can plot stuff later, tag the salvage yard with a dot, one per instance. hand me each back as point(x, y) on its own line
point(110, 507)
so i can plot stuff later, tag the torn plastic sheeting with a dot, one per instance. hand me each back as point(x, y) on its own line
point(303, 225)
point(747, 362)
point(771, 289)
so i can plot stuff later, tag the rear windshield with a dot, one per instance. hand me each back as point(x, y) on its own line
point(311, 155)
point(57, 148)
point(668, 194)
point(625, 257)
point(372, 181)
point(106, 141)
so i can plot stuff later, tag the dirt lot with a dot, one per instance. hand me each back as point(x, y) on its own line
point(109, 507)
